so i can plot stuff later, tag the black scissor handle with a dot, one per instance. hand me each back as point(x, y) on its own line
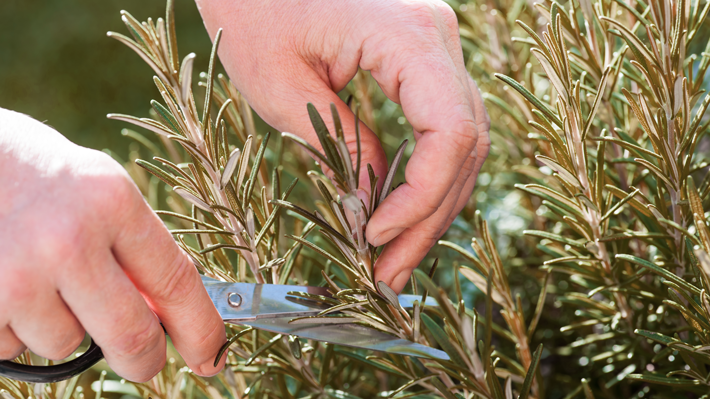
point(55, 373)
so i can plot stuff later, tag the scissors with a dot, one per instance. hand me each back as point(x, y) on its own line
point(268, 307)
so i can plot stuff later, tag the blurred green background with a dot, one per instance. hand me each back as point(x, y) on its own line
point(58, 66)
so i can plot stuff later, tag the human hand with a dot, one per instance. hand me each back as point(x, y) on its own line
point(81, 250)
point(283, 54)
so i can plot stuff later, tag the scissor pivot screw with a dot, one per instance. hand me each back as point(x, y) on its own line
point(234, 299)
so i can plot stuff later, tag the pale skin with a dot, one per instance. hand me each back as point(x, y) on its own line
point(81, 251)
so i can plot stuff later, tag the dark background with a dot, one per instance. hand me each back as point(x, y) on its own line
point(58, 66)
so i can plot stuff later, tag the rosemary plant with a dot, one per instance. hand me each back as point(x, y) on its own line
point(606, 115)
point(599, 144)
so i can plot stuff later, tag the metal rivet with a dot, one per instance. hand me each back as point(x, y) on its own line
point(234, 299)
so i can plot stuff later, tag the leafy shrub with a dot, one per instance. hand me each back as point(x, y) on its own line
point(598, 152)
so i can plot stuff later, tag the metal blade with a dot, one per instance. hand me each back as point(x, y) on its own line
point(246, 301)
point(269, 307)
point(352, 335)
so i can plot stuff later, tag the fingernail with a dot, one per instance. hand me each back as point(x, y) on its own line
point(387, 236)
point(209, 370)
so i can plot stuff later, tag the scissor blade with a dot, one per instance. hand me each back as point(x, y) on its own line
point(257, 301)
point(270, 307)
point(352, 335)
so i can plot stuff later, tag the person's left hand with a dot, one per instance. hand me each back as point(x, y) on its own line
point(283, 54)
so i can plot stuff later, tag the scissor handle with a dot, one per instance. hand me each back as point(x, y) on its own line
point(55, 373)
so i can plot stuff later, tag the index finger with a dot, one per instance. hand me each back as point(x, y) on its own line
point(171, 285)
point(436, 99)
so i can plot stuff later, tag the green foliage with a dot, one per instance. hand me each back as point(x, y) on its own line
point(607, 130)
point(590, 240)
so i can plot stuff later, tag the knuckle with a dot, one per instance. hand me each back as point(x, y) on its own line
point(469, 166)
point(466, 127)
point(424, 13)
point(63, 243)
point(135, 344)
point(10, 346)
point(70, 225)
point(179, 286)
point(420, 193)
point(62, 347)
point(429, 235)
point(116, 189)
point(447, 15)
point(105, 182)
point(18, 287)
point(483, 145)
point(99, 164)
point(104, 163)
point(432, 14)
point(10, 351)
point(463, 133)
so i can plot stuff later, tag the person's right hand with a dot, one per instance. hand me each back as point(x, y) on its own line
point(81, 250)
